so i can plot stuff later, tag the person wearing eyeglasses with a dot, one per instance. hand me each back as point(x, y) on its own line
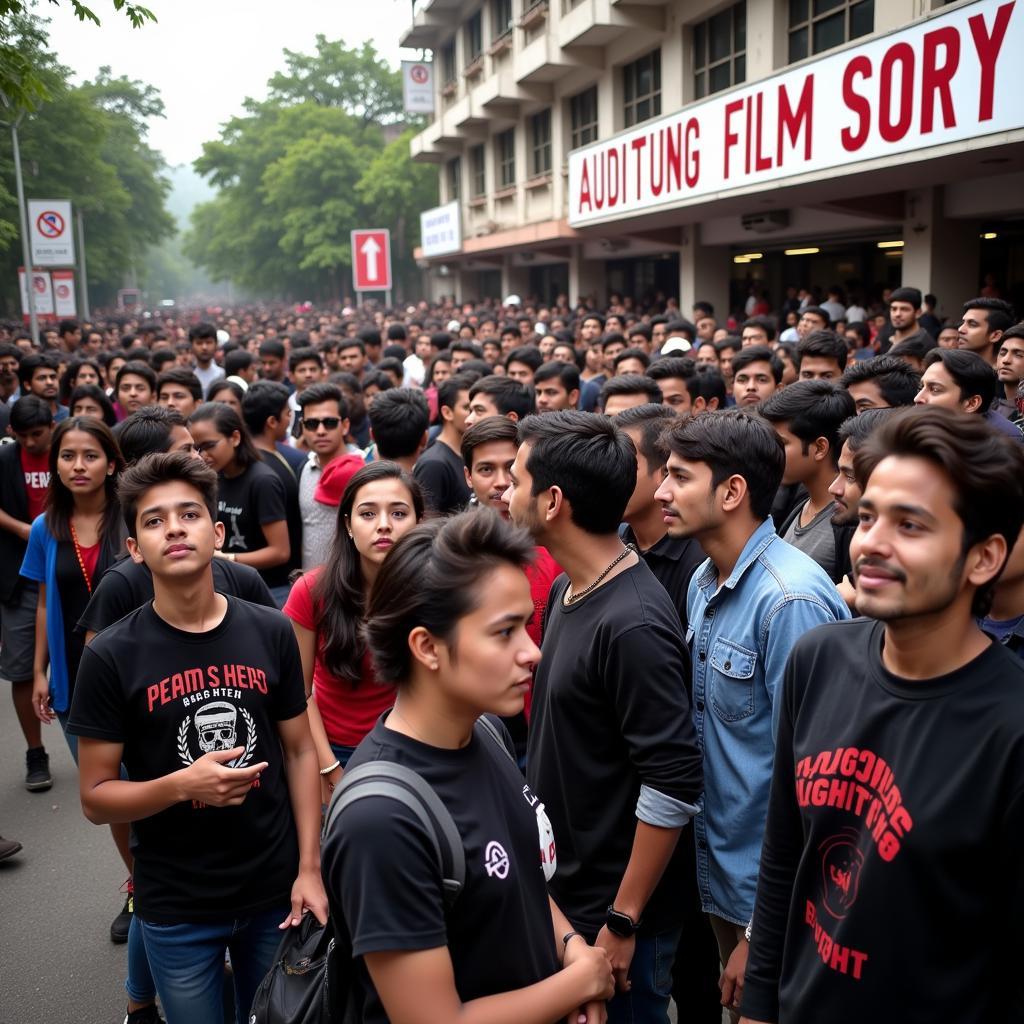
point(251, 501)
point(325, 424)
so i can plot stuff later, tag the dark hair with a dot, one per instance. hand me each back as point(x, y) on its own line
point(204, 330)
point(440, 340)
point(641, 330)
point(324, 391)
point(449, 558)
point(399, 418)
point(369, 336)
point(862, 331)
point(730, 341)
point(566, 373)
point(588, 458)
point(448, 391)
point(60, 502)
point(304, 355)
point(508, 395)
point(160, 358)
point(653, 421)
point(358, 343)
point(160, 468)
point(339, 595)
point(29, 412)
point(138, 369)
point(32, 362)
point(273, 348)
point(629, 384)
point(916, 347)
point(397, 332)
point(592, 315)
point(376, 379)
point(971, 374)
point(1000, 314)
point(665, 367)
point(67, 382)
point(857, 429)
point(986, 470)
point(758, 354)
point(765, 323)
point(225, 385)
point(265, 398)
point(441, 357)
point(632, 353)
point(819, 312)
point(477, 367)
point(226, 421)
point(492, 428)
point(96, 394)
point(465, 345)
point(526, 355)
point(67, 327)
point(733, 442)
point(909, 295)
point(11, 350)
point(705, 307)
point(707, 383)
point(237, 359)
point(897, 382)
point(147, 431)
point(811, 409)
point(824, 344)
point(185, 377)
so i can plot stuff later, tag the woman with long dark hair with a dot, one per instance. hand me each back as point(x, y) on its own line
point(82, 371)
point(91, 400)
point(70, 546)
point(380, 504)
point(251, 500)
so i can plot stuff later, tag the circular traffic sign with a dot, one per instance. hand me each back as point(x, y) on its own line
point(50, 224)
point(419, 74)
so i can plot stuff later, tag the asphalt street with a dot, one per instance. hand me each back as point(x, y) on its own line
point(57, 897)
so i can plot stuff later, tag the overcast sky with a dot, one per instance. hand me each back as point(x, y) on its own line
point(206, 56)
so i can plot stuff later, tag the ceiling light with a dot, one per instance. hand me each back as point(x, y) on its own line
point(989, 235)
point(810, 251)
point(891, 245)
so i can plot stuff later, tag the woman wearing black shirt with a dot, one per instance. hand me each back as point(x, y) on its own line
point(456, 646)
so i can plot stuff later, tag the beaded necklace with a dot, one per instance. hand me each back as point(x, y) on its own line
point(78, 555)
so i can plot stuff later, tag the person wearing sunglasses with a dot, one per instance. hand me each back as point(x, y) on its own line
point(325, 423)
point(250, 497)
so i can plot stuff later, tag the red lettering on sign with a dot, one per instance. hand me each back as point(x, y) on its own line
point(613, 178)
point(859, 105)
point(935, 77)
point(638, 145)
point(794, 121)
point(894, 130)
point(988, 46)
point(731, 138)
point(692, 154)
point(585, 188)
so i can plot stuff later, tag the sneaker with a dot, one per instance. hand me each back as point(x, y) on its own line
point(147, 1015)
point(37, 770)
point(8, 848)
point(123, 921)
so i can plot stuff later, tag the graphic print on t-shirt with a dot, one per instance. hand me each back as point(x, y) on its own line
point(216, 727)
point(545, 835)
point(862, 783)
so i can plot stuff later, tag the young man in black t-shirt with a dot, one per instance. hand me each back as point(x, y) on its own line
point(439, 470)
point(891, 877)
point(612, 746)
point(201, 697)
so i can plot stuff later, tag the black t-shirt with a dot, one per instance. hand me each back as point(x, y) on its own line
point(170, 696)
point(127, 585)
point(610, 713)
point(382, 879)
point(244, 504)
point(284, 472)
point(440, 472)
point(892, 876)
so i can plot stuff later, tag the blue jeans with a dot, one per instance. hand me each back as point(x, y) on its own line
point(187, 961)
point(651, 976)
point(280, 594)
point(342, 753)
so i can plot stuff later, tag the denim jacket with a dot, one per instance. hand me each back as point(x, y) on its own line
point(740, 636)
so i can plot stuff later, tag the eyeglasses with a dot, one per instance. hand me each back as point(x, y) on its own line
point(327, 422)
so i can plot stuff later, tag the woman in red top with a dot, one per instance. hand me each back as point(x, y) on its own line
point(326, 605)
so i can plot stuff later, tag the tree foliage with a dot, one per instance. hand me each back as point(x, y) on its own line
point(298, 171)
point(88, 144)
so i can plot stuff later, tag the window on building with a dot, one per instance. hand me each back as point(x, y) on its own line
point(455, 179)
point(449, 72)
point(501, 18)
point(540, 143)
point(474, 30)
point(641, 89)
point(478, 168)
point(505, 154)
point(819, 25)
point(583, 117)
point(720, 51)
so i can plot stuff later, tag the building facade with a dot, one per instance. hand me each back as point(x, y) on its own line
point(700, 150)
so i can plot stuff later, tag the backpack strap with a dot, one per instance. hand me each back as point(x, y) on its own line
point(485, 727)
point(397, 782)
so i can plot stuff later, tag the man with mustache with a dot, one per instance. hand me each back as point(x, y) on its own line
point(890, 874)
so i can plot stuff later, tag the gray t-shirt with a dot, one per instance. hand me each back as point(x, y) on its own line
point(816, 539)
point(319, 521)
point(209, 376)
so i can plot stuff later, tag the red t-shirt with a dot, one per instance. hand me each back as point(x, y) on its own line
point(37, 480)
point(90, 559)
point(544, 571)
point(349, 711)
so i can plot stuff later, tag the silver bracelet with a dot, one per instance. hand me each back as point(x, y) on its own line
point(330, 768)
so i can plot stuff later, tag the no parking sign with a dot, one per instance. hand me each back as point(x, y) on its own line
point(50, 232)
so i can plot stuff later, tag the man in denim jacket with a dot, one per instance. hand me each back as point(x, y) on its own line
point(752, 599)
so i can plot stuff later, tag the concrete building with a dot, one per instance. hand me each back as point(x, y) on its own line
point(701, 149)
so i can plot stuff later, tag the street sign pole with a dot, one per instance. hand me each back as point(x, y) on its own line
point(85, 275)
point(33, 323)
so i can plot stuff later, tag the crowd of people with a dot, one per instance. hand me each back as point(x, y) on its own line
point(743, 607)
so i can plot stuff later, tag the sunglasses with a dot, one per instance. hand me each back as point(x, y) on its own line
point(327, 422)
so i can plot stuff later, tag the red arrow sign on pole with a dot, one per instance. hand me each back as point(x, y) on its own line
point(371, 260)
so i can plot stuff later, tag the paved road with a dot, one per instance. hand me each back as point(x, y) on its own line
point(57, 897)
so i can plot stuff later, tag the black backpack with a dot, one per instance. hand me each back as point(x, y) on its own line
point(312, 979)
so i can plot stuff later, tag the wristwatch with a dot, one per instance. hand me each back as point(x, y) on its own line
point(620, 924)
